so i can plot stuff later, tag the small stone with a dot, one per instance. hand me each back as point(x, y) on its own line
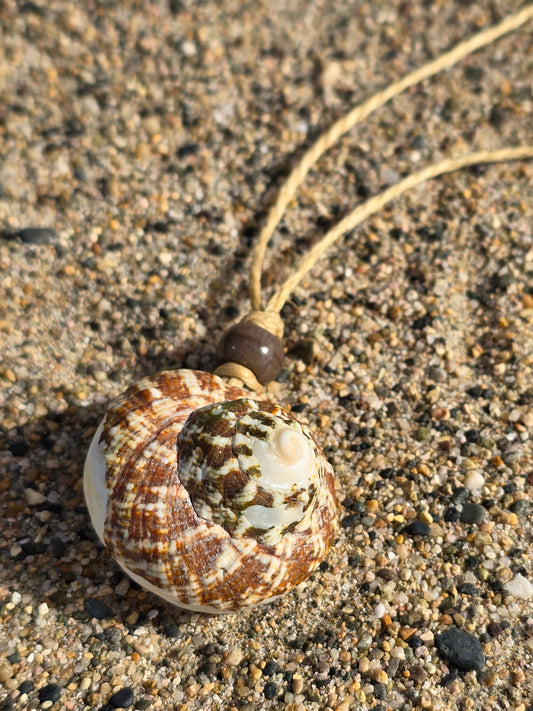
point(380, 676)
point(18, 447)
point(521, 508)
point(234, 657)
point(38, 235)
point(98, 610)
point(418, 528)
point(494, 629)
point(461, 649)
point(34, 498)
point(50, 692)
point(172, 631)
point(417, 674)
point(270, 668)
point(472, 513)
point(6, 671)
point(519, 587)
point(297, 685)
point(508, 518)
point(122, 698)
point(364, 665)
point(58, 547)
point(474, 482)
point(459, 495)
point(113, 635)
point(379, 611)
point(270, 691)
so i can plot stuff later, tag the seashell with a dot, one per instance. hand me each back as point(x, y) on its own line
point(207, 497)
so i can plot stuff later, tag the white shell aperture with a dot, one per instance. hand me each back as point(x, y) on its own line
point(207, 497)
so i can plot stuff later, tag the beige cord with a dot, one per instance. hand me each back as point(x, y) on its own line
point(344, 124)
point(376, 203)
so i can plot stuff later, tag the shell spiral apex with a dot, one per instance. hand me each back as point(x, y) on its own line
point(206, 496)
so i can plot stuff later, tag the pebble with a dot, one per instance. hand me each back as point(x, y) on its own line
point(461, 649)
point(270, 690)
point(379, 610)
point(472, 513)
point(38, 235)
point(474, 482)
point(418, 528)
point(519, 587)
point(271, 668)
point(122, 699)
point(98, 610)
point(234, 657)
point(34, 498)
point(50, 692)
point(521, 508)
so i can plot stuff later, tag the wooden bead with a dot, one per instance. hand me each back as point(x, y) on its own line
point(255, 348)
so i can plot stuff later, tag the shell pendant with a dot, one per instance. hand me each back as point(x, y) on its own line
point(206, 496)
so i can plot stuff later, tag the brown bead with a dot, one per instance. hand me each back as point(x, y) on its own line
point(255, 348)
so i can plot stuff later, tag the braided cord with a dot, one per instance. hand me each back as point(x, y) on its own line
point(342, 126)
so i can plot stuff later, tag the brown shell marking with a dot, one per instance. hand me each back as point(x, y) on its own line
point(151, 526)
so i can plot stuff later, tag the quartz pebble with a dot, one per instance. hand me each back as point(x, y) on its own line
point(474, 482)
point(519, 587)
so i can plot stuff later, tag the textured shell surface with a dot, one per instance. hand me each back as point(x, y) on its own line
point(205, 495)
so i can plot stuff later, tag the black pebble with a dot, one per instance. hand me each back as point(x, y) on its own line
point(473, 513)
point(38, 235)
point(26, 687)
point(471, 435)
point(415, 642)
point(460, 648)
point(468, 589)
point(270, 690)
point(459, 496)
point(271, 668)
point(418, 528)
point(494, 629)
point(123, 698)
point(349, 520)
point(172, 631)
point(19, 447)
point(421, 322)
point(50, 692)
point(380, 691)
point(99, 610)
point(113, 635)
point(58, 547)
point(451, 515)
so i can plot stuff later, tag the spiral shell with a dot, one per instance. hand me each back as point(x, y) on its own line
point(207, 497)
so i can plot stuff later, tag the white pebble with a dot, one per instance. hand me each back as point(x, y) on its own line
point(34, 498)
point(519, 587)
point(234, 657)
point(474, 481)
point(43, 609)
point(16, 597)
point(379, 611)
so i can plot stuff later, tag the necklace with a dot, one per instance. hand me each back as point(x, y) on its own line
point(201, 489)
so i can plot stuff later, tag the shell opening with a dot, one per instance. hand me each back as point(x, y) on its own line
point(286, 459)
